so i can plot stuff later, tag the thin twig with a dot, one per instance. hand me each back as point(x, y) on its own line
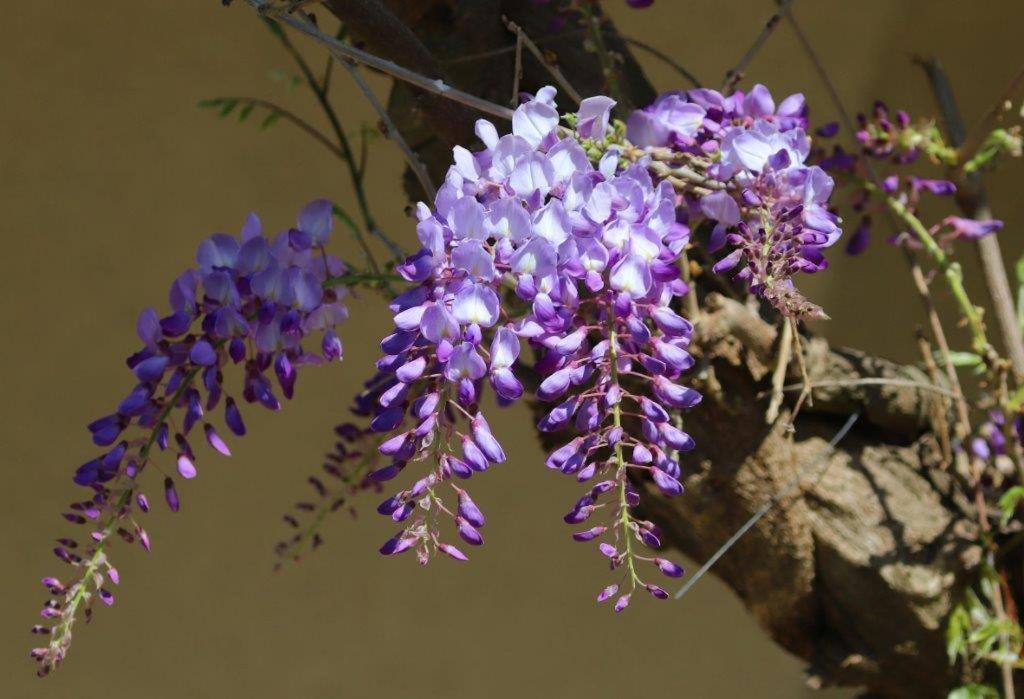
point(348, 52)
point(664, 58)
point(963, 420)
point(870, 381)
point(766, 508)
point(734, 74)
point(692, 304)
point(941, 424)
point(798, 350)
point(522, 39)
point(819, 67)
point(325, 84)
point(980, 130)
point(517, 71)
point(779, 375)
point(295, 119)
point(343, 142)
point(643, 46)
point(415, 164)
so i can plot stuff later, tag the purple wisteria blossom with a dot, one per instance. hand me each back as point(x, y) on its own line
point(251, 301)
point(529, 239)
point(774, 212)
point(894, 140)
point(969, 228)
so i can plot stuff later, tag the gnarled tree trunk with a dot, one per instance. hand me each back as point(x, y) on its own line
point(857, 571)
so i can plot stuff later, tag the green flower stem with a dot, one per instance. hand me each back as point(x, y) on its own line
point(951, 270)
point(92, 565)
point(620, 461)
point(298, 547)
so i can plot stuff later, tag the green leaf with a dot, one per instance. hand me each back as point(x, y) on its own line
point(956, 633)
point(227, 106)
point(973, 691)
point(273, 26)
point(343, 216)
point(1009, 501)
point(282, 75)
point(210, 103)
point(963, 359)
point(1013, 405)
point(270, 120)
point(245, 112)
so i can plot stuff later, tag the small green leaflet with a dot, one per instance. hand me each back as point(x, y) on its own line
point(973, 691)
point(961, 359)
point(1009, 501)
point(227, 105)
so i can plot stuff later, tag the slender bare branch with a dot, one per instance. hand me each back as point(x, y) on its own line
point(523, 40)
point(870, 381)
point(320, 92)
point(979, 130)
point(517, 71)
point(562, 36)
point(941, 426)
point(734, 74)
point(413, 160)
point(779, 374)
point(344, 51)
point(664, 58)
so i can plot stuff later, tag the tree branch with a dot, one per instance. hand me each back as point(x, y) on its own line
point(411, 159)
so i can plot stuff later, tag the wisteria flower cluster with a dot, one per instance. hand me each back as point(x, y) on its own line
point(896, 141)
point(250, 301)
point(772, 207)
point(564, 241)
point(587, 255)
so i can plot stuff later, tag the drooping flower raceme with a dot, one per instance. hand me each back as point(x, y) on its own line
point(555, 242)
point(250, 301)
point(586, 258)
point(773, 210)
point(346, 469)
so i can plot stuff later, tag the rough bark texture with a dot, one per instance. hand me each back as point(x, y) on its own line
point(855, 572)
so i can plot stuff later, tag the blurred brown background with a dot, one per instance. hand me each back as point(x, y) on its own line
point(109, 176)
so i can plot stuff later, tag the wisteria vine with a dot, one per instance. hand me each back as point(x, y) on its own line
point(554, 268)
point(556, 235)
